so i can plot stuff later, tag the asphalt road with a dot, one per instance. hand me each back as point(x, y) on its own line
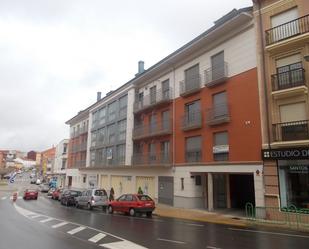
point(46, 224)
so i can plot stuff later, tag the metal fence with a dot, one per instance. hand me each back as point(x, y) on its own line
point(288, 217)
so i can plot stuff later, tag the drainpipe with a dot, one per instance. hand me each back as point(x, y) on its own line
point(264, 77)
point(174, 121)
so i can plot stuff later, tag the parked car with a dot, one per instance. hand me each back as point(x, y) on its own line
point(68, 197)
point(92, 198)
point(33, 181)
point(56, 193)
point(44, 188)
point(132, 204)
point(31, 194)
point(38, 182)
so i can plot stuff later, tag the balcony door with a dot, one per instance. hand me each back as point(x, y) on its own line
point(219, 105)
point(165, 120)
point(153, 123)
point(294, 125)
point(153, 94)
point(165, 90)
point(217, 66)
point(192, 111)
point(192, 77)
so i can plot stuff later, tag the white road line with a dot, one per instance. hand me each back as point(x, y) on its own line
point(20, 197)
point(76, 230)
point(122, 245)
point(59, 224)
point(46, 220)
point(212, 247)
point(97, 237)
point(173, 241)
point(4, 198)
point(272, 233)
point(35, 216)
point(193, 224)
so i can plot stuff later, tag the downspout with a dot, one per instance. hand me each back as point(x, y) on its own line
point(173, 120)
point(264, 73)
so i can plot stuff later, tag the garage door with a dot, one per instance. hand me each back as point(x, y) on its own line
point(166, 190)
point(104, 182)
point(121, 185)
point(147, 184)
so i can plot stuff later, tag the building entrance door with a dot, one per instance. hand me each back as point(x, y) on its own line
point(219, 183)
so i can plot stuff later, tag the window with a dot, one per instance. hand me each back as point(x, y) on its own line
point(166, 120)
point(153, 123)
point(92, 158)
point(221, 146)
point(220, 108)
point(65, 146)
point(153, 94)
point(100, 139)
point(93, 138)
point(123, 106)
point(140, 99)
point(112, 111)
point(182, 182)
point(166, 89)
point(165, 151)
point(198, 180)
point(64, 163)
point(192, 113)
point(111, 134)
point(217, 66)
point(192, 78)
point(152, 152)
point(98, 157)
point(193, 149)
point(121, 152)
point(109, 155)
point(122, 127)
point(102, 116)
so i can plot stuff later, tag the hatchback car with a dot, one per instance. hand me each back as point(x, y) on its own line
point(92, 198)
point(44, 188)
point(31, 194)
point(68, 197)
point(56, 194)
point(132, 204)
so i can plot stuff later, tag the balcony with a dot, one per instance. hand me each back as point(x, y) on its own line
point(216, 75)
point(156, 99)
point(291, 131)
point(287, 30)
point(192, 120)
point(218, 114)
point(193, 156)
point(190, 86)
point(151, 159)
point(152, 130)
point(80, 164)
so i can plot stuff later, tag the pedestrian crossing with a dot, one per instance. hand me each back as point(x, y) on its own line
point(100, 238)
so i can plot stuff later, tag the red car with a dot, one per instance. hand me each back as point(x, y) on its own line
point(31, 194)
point(132, 204)
point(56, 193)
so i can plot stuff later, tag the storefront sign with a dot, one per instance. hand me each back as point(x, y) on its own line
point(286, 154)
point(298, 169)
point(220, 149)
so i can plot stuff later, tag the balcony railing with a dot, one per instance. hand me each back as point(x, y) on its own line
point(151, 158)
point(218, 114)
point(79, 147)
point(159, 97)
point(216, 75)
point(291, 131)
point(80, 164)
point(193, 156)
point(284, 31)
point(151, 130)
point(289, 79)
point(190, 85)
point(192, 120)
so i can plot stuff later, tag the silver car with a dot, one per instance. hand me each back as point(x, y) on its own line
point(93, 198)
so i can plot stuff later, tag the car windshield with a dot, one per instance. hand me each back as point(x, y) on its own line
point(144, 198)
point(75, 193)
point(100, 192)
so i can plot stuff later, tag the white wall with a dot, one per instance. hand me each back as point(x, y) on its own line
point(130, 124)
point(59, 156)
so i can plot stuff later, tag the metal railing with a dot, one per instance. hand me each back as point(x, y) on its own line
point(193, 156)
point(289, 79)
point(192, 120)
point(218, 114)
point(291, 131)
point(216, 74)
point(79, 164)
point(155, 129)
point(290, 217)
point(151, 158)
point(79, 147)
point(284, 31)
point(190, 85)
point(150, 100)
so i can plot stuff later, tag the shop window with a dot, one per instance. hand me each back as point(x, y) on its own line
point(198, 180)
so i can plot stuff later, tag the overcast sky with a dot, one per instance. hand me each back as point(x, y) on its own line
point(56, 54)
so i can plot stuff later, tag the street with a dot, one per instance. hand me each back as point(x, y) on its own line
point(46, 223)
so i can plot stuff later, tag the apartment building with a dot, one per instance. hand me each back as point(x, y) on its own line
point(47, 161)
point(60, 165)
point(283, 47)
point(77, 148)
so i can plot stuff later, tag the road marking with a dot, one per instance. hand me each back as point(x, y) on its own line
point(193, 224)
point(35, 216)
point(212, 247)
point(272, 233)
point(122, 245)
point(76, 230)
point(59, 224)
point(97, 237)
point(46, 220)
point(173, 241)
point(4, 198)
point(19, 197)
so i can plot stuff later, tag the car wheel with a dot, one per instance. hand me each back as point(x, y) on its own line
point(132, 212)
point(104, 208)
point(149, 214)
point(89, 206)
point(36, 198)
point(67, 203)
point(110, 209)
point(24, 198)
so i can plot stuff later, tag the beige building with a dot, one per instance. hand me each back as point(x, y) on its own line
point(283, 46)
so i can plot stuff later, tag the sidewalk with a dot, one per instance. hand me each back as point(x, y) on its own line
point(199, 215)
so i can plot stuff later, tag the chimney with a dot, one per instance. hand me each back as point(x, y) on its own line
point(141, 68)
point(98, 96)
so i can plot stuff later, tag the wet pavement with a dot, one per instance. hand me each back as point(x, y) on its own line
point(47, 224)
